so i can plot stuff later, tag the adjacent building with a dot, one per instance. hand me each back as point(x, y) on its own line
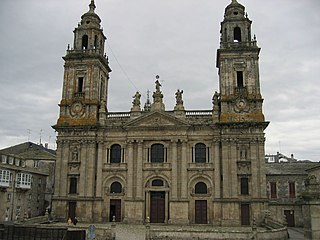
point(26, 181)
point(286, 185)
point(166, 166)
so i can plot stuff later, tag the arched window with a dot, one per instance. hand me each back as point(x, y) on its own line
point(157, 183)
point(237, 34)
point(157, 153)
point(116, 187)
point(201, 188)
point(200, 153)
point(85, 42)
point(115, 153)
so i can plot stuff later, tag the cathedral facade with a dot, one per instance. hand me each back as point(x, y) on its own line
point(159, 165)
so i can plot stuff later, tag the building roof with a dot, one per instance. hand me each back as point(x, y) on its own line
point(290, 168)
point(29, 150)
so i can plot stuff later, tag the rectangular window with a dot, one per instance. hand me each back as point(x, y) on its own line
point(80, 84)
point(17, 162)
point(240, 79)
point(4, 178)
point(292, 189)
point(244, 186)
point(23, 180)
point(73, 185)
point(10, 160)
point(273, 189)
point(4, 159)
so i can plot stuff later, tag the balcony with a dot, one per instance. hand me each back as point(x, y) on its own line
point(4, 184)
point(23, 186)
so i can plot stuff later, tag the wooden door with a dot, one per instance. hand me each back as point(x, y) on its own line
point(245, 214)
point(289, 217)
point(115, 210)
point(72, 210)
point(201, 212)
point(157, 207)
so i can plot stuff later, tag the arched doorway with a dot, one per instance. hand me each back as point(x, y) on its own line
point(157, 201)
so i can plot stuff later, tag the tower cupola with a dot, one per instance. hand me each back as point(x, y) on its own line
point(236, 26)
point(89, 35)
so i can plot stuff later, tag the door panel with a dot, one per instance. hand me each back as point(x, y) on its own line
point(72, 210)
point(157, 207)
point(289, 217)
point(201, 212)
point(245, 214)
point(115, 210)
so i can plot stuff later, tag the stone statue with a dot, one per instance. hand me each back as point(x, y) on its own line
point(158, 85)
point(215, 98)
point(179, 100)
point(136, 99)
point(75, 154)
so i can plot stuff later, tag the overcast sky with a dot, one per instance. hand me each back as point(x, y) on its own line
point(176, 39)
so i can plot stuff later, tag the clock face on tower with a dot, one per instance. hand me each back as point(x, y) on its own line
point(77, 109)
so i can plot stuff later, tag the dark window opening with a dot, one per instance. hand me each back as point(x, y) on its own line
point(237, 34)
point(244, 186)
point(80, 84)
point(200, 153)
point(115, 153)
point(157, 182)
point(292, 190)
point(273, 190)
point(73, 185)
point(116, 187)
point(235, 13)
point(239, 79)
point(157, 153)
point(95, 41)
point(201, 188)
point(85, 41)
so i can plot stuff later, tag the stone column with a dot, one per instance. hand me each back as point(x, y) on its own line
point(226, 168)
point(148, 204)
point(217, 172)
point(174, 172)
point(83, 172)
point(139, 176)
point(57, 190)
point(311, 206)
point(99, 170)
point(234, 190)
point(184, 170)
point(90, 169)
point(64, 170)
point(129, 186)
point(166, 207)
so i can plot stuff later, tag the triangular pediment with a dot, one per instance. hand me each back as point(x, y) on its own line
point(157, 119)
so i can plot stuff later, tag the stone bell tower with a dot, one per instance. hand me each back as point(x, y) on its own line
point(240, 120)
point(237, 60)
point(83, 111)
point(86, 74)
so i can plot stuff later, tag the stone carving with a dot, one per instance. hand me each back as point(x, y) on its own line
point(179, 100)
point(136, 99)
point(215, 98)
point(75, 154)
